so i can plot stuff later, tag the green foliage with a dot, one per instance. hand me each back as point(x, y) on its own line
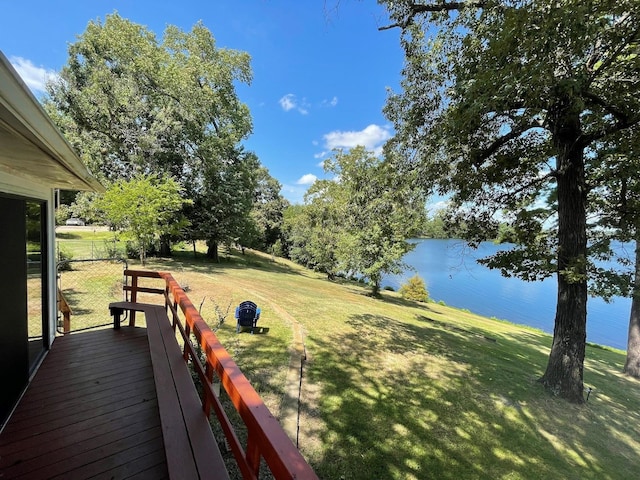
point(434, 227)
point(377, 213)
point(220, 213)
point(357, 223)
point(415, 289)
point(64, 256)
point(143, 209)
point(63, 213)
point(267, 212)
point(509, 129)
point(85, 206)
point(134, 105)
point(312, 233)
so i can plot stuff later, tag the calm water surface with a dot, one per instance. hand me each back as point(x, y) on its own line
point(450, 270)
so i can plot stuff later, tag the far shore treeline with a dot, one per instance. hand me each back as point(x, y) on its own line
point(533, 141)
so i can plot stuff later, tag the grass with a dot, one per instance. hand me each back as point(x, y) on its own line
point(399, 390)
point(86, 242)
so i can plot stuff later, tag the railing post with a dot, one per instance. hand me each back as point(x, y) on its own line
point(206, 403)
point(66, 322)
point(64, 307)
point(253, 455)
point(134, 298)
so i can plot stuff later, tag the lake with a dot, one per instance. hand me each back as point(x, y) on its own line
point(452, 275)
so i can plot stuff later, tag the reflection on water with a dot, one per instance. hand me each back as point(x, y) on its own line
point(452, 275)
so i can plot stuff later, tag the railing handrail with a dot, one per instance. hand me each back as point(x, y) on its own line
point(266, 437)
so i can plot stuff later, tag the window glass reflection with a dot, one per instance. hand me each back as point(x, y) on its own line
point(36, 261)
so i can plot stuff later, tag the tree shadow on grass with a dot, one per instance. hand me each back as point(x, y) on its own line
point(68, 236)
point(403, 400)
point(236, 261)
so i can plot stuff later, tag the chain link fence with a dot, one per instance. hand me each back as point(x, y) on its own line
point(85, 289)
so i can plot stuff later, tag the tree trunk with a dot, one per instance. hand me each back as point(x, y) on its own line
point(143, 254)
point(564, 373)
point(375, 286)
point(632, 365)
point(165, 246)
point(212, 250)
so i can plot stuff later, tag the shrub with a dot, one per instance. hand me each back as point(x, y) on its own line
point(63, 212)
point(415, 289)
point(64, 257)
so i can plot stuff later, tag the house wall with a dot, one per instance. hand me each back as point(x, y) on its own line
point(19, 354)
point(21, 187)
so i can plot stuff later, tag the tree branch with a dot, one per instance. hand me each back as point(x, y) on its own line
point(621, 46)
point(619, 114)
point(416, 9)
point(485, 153)
point(623, 119)
point(536, 181)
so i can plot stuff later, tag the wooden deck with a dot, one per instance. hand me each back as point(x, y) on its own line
point(90, 412)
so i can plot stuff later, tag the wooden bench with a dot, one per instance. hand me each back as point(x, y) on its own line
point(191, 449)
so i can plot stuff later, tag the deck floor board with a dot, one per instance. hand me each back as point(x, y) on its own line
point(90, 412)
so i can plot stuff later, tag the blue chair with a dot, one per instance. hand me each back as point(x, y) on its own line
point(247, 315)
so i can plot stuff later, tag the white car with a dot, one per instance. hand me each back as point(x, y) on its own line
point(77, 222)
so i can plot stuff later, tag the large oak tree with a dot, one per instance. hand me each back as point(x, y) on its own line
point(503, 106)
point(135, 104)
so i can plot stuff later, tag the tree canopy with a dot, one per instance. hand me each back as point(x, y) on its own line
point(142, 207)
point(133, 104)
point(504, 106)
point(359, 221)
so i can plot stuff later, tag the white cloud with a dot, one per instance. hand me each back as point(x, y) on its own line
point(290, 102)
point(34, 77)
point(372, 138)
point(307, 179)
point(330, 103)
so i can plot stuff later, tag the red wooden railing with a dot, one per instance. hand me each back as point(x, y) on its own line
point(265, 437)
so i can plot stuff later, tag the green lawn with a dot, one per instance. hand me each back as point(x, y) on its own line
point(398, 390)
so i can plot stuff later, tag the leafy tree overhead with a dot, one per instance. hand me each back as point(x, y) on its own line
point(504, 106)
point(140, 208)
point(150, 106)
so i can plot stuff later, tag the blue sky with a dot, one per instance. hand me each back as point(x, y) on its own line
point(321, 68)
